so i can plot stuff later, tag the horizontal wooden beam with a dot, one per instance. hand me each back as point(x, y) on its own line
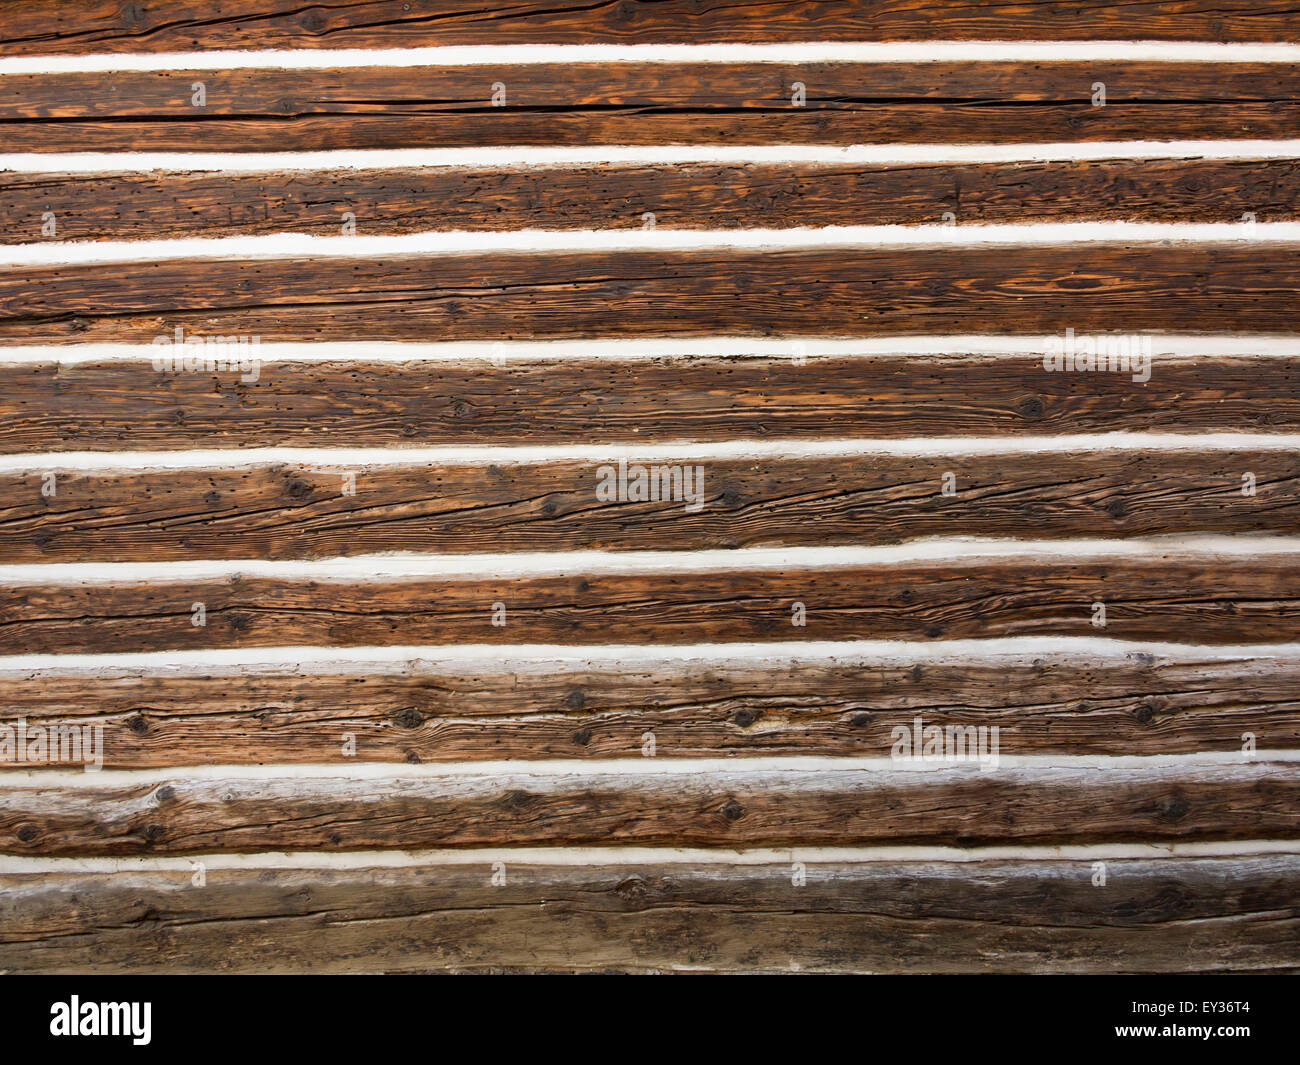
point(293, 510)
point(356, 401)
point(163, 205)
point(963, 805)
point(647, 104)
point(1231, 914)
point(845, 705)
point(97, 26)
point(1204, 599)
point(1239, 286)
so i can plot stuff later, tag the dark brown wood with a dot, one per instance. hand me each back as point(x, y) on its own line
point(95, 26)
point(646, 104)
point(290, 510)
point(1239, 286)
point(48, 406)
point(593, 910)
point(1202, 600)
point(461, 711)
point(1231, 914)
point(157, 205)
point(963, 805)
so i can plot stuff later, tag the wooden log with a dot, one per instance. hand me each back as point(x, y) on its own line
point(1226, 914)
point(512, 708)
point(291, 510)
point(153, 205)
point(81, 27)
point(1239, 286)
point(1203, 599)
point(955, 804)
point(71, 406)
point(554, 104)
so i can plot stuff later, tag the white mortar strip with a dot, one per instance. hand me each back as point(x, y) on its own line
point(786, 54)
point(16, 865)
point(769, 450)
point(270, 352)
point(462, 242)
point(413, 566)
point(660, 156)
point(545, 658)
point(798, 770)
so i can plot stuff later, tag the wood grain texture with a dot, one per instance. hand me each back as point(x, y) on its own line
point(1203, 600)
point(448, 711)
point(547, 751)
point(1154, 915)
point(1239, 286)
point(646, 104)
point(54, 407)
point(288, 510)
point(960, 805)
point(180, 204)
point(96, 26)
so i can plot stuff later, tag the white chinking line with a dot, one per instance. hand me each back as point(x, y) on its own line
point(18, 865)
point(796, 771)
point(786, 54)
point(531, 241)
point(362, 459)
point(621, 155)
point(495, 659)
point(413, 566)
point(799, 771)
point(270, 351)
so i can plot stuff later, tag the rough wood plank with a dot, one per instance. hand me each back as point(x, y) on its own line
point(1205, 599)
point(160, 205)
point(1239, 286)
point(1234, 914)
point(847, 705)
point(290, 510)
point(97, 26)
point(52, 406)
point(963, 805)
point(646, 104)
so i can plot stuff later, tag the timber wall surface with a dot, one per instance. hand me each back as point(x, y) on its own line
point(387, 659)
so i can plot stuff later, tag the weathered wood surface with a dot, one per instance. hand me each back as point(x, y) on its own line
point(97, 26)
point(291, 510)
point(181, 204)
point(52, 406)
point(433, 711)
point(1171, 914)
point(1205, 599)
point(646, 104)
point(962, 805)
point(1231, 914)
point(1238, 286)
